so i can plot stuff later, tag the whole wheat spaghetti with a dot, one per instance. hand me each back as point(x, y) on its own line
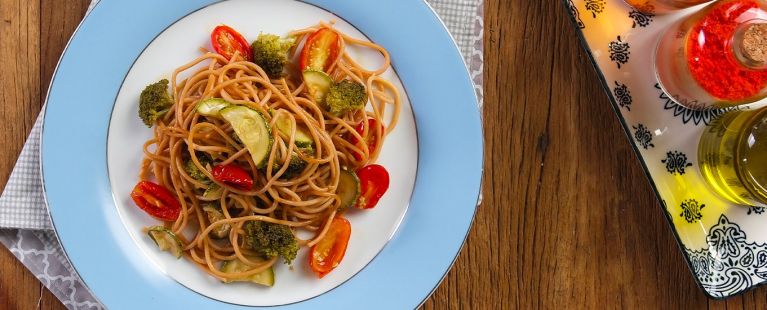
point(185, 140)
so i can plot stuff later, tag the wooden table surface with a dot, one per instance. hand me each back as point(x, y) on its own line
point(568, 217)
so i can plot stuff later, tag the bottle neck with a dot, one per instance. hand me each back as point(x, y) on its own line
point(750, 44)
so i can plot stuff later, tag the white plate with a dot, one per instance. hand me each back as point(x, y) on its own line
point(178, 45)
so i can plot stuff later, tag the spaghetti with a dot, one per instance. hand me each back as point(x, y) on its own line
point(307, 200)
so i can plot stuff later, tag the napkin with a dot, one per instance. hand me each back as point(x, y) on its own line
point(25, 226)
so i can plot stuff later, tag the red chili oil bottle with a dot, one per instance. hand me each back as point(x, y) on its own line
point(716, 57)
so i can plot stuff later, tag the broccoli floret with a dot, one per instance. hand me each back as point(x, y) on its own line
point(154, 102)
point(295, 166)
point(345, 96)
point(271, 240)
point(195, 172)
point(270, 52)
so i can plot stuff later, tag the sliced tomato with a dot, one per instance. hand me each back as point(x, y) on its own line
point(233, 176)
point(374, 182)
point(320, 50)
point(226, 41)
point(371, 139)
point(328, 253)
point(156, 200)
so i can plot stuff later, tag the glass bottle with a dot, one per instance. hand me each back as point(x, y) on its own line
point(733, 157)
point(717, 57)
point(662, 6)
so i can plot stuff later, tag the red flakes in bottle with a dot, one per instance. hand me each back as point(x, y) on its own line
point(710, 54)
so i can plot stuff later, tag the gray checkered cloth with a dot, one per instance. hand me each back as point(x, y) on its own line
point(22, 204)
point(25, 227)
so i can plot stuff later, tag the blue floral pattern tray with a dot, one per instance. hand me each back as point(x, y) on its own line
point(725, 245)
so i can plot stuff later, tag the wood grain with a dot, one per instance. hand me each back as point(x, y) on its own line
point(19, 96)
point(568, 218)
point(32, 36)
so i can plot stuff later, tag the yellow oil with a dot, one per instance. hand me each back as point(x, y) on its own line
point(733, 157)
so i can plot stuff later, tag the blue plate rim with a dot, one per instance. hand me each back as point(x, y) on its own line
point(474, 100)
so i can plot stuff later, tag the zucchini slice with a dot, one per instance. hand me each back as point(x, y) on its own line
point(303, 139)
point(214, 215)
point(166, 240)
point(317, 83)
point(348, 189)
point(265, 277)
point(253, 131)
point(213, 192)
point(212, 106)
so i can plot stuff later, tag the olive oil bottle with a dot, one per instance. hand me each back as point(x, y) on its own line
point(733, 156)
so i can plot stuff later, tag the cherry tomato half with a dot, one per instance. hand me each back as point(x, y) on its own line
point(226, 41)
point(156, 200)
point(371, 139)
point(328, 253)
point(320, 50)
point(233, 176)
point(374, 182)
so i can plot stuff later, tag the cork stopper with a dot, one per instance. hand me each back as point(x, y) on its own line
point(754, 44)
